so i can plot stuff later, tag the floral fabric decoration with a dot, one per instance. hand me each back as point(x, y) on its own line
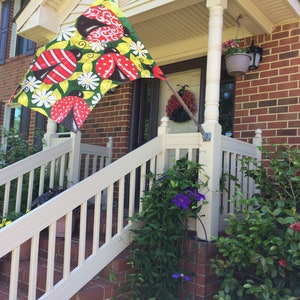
point(72, 73)
point(174, 109)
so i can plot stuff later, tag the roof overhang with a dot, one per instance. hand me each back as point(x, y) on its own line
point(179, 28)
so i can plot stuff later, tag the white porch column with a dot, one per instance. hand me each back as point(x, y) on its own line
point(50, 133)
point(211, 151)
point(216, 8)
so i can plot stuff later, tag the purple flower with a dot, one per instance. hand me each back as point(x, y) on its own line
point(182, 276)
point(193, 193)
point(182, 201)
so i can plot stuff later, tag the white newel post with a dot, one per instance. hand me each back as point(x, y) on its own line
point(74, 159)
point(163, 130)
point(50, 133)
point(257, 141)
point(211, 152)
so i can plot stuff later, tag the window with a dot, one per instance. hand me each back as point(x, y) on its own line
point(4, 29)
point(144, 112)
point(226, 106)
point(19, 45)
point(24, 46)
point(17, 117)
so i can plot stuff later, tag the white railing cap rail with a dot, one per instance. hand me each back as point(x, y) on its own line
point(22, 167)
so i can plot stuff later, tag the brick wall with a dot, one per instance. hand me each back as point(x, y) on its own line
point(197, 260)
point(269, 97)
point(110, 117)
point(11, 74)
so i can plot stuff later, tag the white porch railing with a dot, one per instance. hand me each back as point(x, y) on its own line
point(94, 158)
point(124, 180)
point(233, 151)
point(61, 165)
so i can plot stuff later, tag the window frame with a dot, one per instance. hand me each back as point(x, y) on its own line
point(4, 29)
point(20, 45)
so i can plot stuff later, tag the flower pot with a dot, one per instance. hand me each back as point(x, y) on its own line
point(237, 63)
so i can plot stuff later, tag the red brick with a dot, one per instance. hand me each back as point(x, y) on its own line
point(258, 111)
point(267, 88)
point(294, 93)
point(291, 116)
point(280, 64)
point(290, 26)
point(281, 49)
point(241, 113)
point(259, 82)
point(275, 125)
point(259, 96)
point(278, 94)
point(280, 35)
point(289, 41)
point(266, 118)
point(276, 140)
point(294, 123)
point(287, 132)
point(294, 140)
point(254, 126)
point(294, 108)
point(269, 73)
point(289, 70)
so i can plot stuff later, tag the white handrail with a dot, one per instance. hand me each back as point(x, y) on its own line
point(120, 181)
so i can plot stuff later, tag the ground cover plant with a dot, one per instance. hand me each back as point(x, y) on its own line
point(259, 255)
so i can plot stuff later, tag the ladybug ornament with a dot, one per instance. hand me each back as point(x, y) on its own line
point(174, 109)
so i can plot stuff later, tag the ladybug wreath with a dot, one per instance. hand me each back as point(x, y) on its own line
point(174, 109)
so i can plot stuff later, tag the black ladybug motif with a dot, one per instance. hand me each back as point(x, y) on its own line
point(70, 111)
point(56, 65)
point(112, 65)
point(99, 24)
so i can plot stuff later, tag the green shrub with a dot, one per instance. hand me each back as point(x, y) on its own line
point(17, 149)
point(259, 256)
point(158, 246)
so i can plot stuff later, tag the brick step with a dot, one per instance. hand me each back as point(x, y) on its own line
point(106, 284)
point(110, 282)
point(97, 289)
point(5, 265)
point(4, 292)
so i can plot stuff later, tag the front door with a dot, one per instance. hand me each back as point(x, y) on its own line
point(143, 126)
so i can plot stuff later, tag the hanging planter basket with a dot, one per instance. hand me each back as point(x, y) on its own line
point(237, 63)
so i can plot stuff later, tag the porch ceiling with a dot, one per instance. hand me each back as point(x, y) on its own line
point(178, 28)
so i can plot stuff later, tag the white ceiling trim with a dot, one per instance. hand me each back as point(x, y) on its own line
point(296, 5)
point(256, 14)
